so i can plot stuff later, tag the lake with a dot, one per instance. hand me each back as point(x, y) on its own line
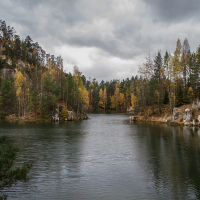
point(106, 157)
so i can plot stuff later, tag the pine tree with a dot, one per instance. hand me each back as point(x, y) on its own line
point(158, 75)
point(7, 97)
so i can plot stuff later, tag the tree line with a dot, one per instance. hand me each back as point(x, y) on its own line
point(34, 82)
point(171, 79)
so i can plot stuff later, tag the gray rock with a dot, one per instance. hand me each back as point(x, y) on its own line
point(176, 113)
point(193, 105)
point(198, 120)
point(55, 115)
point(187, 117)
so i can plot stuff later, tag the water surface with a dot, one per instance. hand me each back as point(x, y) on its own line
point(106, 157)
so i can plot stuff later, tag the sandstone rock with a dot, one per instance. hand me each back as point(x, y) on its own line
point(198, 119)
point(187, 117)
point(55, 115)
point(71, 115)
point(170, 119)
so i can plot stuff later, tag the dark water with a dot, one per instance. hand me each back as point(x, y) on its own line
point(107, 157)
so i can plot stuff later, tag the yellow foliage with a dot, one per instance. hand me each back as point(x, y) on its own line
point(112, 100)
point(92, 85)
point(20, 80)
point(104, 96)
point(116, 96)
point(190, 94)
point(84, 96)
point(122, 99)
point(53, 74)
point(134, 100)
point(19, 91)
point(34, 51)
point(101, 98)
point(64, 112)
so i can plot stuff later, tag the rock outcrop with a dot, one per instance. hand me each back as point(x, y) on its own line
point(71, 115)
point(175, 115)
point(187, 117)
point(198, 120)
point(55, 115)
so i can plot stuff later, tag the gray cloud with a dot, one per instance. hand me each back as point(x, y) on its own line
point(174, 10)
point(128, 29)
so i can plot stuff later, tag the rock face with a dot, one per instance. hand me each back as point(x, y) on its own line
point(175, 115)
point(133, 118)
point(55, 115)
point(71, 115)
point(187, 117)
point(198, 120)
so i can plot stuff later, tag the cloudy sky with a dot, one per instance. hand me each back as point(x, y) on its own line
point(106, 39)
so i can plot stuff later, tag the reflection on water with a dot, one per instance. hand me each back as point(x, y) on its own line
point(107, 157)
point(174, 159)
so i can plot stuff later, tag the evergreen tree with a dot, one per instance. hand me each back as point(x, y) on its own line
point(7, 97)
point(158, 70)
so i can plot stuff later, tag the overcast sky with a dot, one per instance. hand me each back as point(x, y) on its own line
point(106, 39)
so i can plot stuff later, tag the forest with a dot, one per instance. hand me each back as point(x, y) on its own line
point(34, 84)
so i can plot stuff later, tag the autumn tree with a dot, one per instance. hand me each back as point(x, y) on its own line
point(176, 69)
point(104, 97)
point(100, 98)
point(115, 99)
point(122, 100)
point(134, 102)
point(21, 90)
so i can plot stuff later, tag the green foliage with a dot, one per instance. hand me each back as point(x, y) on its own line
point(3, 63)
point(166, 98)
point(34, 100)
point(162, 80)
point(7, 97)
point(50, 96)
point(179, 97)
point(9, 174)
